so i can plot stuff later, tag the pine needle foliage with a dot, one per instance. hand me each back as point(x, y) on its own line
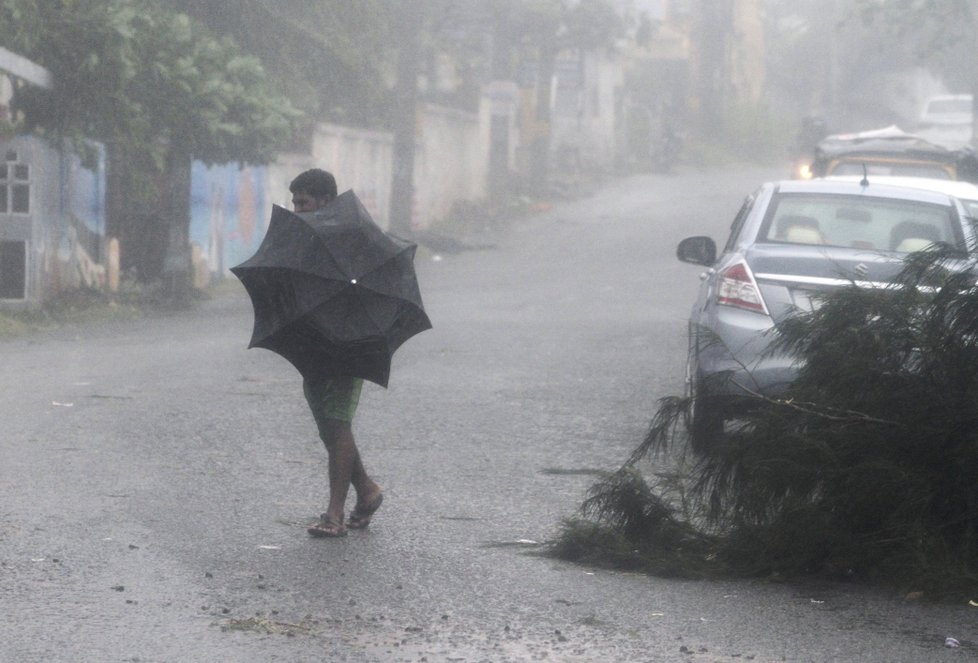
point(626, 524)
point(867, 468)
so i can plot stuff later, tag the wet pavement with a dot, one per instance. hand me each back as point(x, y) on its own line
point(155, 476)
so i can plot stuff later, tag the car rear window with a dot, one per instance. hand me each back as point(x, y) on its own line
point(881, 224)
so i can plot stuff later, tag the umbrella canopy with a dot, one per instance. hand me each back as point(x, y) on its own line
point(332, 292)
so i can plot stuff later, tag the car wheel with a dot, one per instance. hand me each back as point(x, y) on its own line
point(704, 416)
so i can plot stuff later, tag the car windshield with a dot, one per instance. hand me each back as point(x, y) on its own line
point(883, 224)
point(933, 171)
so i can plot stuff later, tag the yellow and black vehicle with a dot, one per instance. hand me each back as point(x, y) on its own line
point(891, 151)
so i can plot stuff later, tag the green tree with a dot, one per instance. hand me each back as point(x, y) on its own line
point(159, 91)
point(356, 64)
point(334, 59)
point(829, 56)
point(944, 34)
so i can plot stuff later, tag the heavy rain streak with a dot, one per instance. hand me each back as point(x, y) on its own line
point(585, 331)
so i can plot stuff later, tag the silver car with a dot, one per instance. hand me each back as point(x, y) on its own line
point(789, 241)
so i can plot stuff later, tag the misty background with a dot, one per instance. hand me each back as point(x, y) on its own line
point(159, 134)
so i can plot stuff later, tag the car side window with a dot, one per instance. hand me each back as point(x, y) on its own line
point(738, 222)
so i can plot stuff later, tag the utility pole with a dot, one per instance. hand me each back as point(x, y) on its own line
point(177, 267)
point(499, 175)
point(832, 100)
point(714, 21)
point(973, 20)
point(540, 143)
point(406, 117)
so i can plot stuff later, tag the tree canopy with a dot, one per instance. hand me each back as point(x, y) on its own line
point(941, 34)
point(333, 59)
point(130, 70)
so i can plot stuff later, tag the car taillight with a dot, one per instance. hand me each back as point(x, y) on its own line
point(737, 288)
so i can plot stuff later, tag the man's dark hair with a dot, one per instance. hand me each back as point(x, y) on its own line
point(315, 182)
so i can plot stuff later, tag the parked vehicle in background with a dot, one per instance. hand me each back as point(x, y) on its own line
point(946, 120)
point(892, 151)
point(790, 241)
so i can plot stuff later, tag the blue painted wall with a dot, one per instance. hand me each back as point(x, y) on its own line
point(229, 213)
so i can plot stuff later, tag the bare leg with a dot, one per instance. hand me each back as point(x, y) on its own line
point(345, 469)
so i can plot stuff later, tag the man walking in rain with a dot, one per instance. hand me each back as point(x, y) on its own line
point(333, 402)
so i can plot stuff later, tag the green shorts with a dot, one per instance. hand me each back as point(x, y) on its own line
point(335, 398)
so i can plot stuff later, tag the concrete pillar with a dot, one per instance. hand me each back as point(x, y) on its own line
point(112, 265)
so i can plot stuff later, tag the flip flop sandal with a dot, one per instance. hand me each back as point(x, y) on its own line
point(362, 513)
point(326, 529)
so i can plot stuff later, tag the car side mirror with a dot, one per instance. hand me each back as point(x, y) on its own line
point(699, 250)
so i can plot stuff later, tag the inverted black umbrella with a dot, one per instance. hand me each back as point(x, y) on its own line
point(332, 292)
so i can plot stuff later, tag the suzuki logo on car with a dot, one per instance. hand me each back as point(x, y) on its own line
point(861, 270)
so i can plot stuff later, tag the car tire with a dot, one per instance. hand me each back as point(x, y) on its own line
point(704, 415)
point(705, 424)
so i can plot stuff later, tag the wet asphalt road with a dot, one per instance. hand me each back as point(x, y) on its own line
point(155, 476)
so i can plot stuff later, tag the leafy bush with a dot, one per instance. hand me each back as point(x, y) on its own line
point(866, 468)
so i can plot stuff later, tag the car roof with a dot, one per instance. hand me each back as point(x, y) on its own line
point(855, 187)
point(956, 188)
point(888, 140)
